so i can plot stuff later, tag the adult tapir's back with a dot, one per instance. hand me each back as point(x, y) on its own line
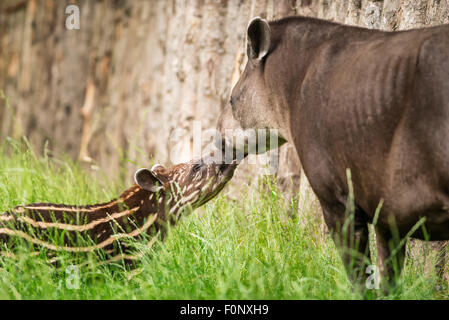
point(377, 103)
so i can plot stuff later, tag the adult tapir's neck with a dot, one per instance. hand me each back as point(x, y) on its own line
point(296, 43)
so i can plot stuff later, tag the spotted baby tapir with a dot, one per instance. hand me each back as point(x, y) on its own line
point(158, 198)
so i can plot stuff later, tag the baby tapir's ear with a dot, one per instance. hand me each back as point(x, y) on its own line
point(147, 180)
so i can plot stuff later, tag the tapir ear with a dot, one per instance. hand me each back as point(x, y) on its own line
point(157, 166)
point(259, 38)
point(147, 180)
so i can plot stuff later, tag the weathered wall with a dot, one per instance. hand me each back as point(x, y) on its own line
point(136, 71)
point(119, 87)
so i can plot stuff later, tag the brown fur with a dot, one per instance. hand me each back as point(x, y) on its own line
point(373, 102)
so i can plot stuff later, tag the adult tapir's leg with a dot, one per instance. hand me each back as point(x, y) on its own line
point(351, 236)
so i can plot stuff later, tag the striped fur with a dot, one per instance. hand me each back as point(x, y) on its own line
point(136, 214)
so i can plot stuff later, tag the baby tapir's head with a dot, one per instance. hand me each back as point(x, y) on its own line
point(189, 184)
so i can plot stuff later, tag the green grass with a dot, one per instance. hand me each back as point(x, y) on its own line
point(249, 249)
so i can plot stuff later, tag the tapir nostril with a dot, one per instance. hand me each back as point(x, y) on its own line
point(223, 167)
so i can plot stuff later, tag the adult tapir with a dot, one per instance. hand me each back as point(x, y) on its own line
point(372, 103)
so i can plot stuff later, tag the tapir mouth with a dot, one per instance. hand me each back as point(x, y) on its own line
point(227, 169)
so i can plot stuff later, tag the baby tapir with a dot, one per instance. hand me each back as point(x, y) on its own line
point(159, 197)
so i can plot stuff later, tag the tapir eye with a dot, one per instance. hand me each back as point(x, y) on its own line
point(196, 168)
point(232, 101)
